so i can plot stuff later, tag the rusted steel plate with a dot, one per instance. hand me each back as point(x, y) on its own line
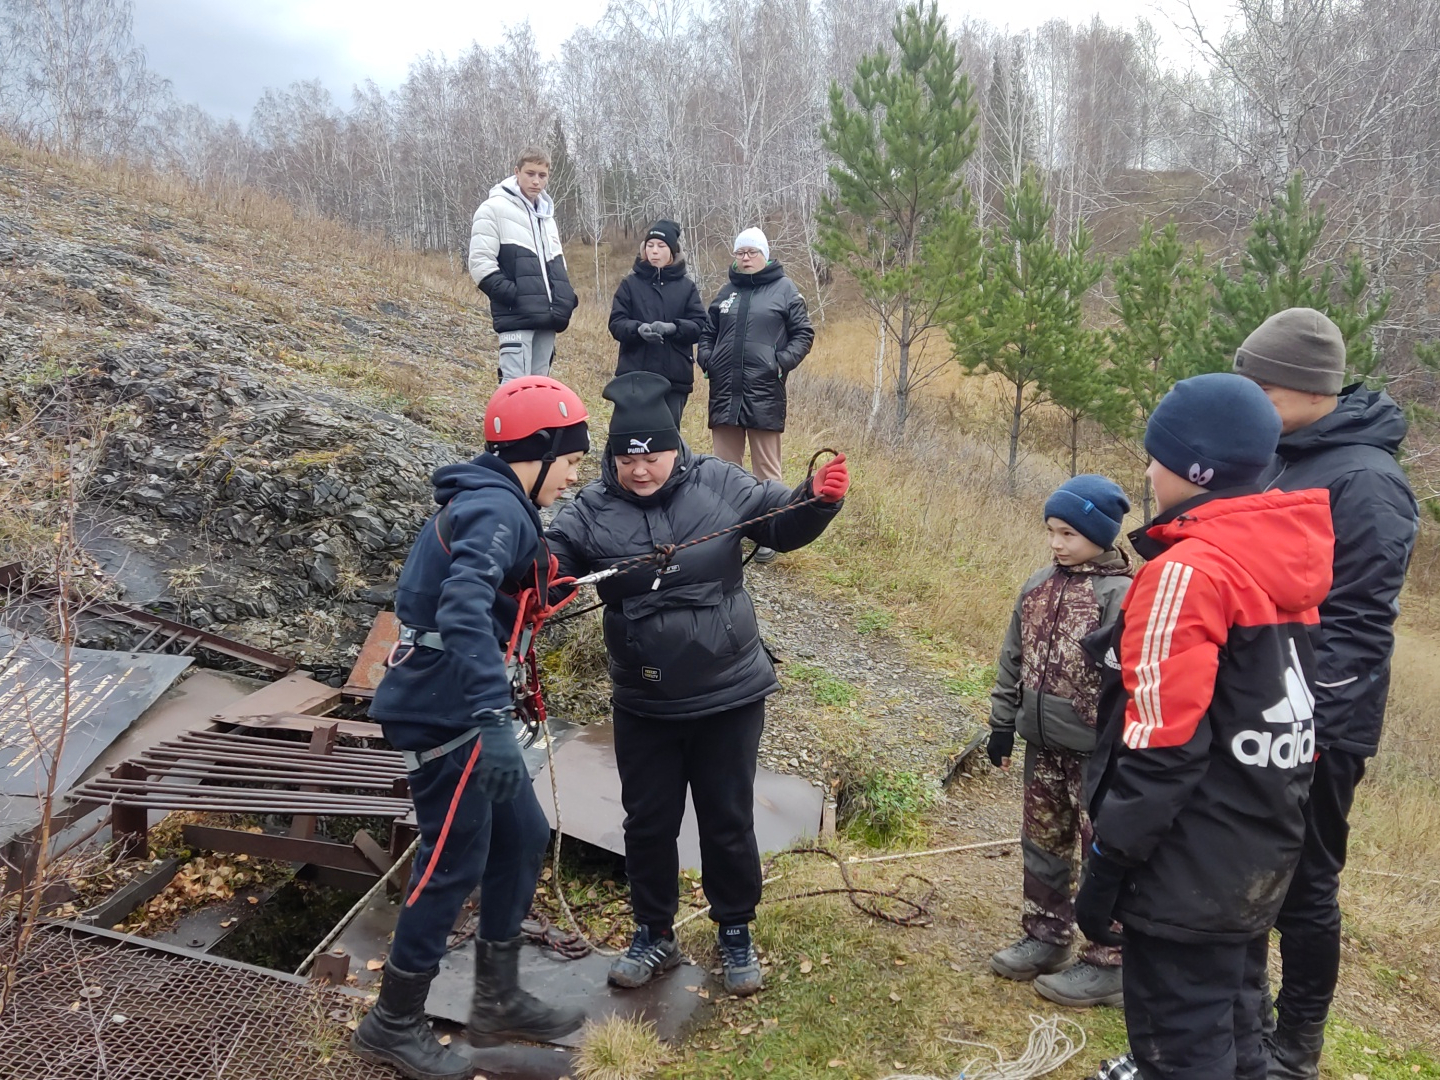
point(370, 664)
point(664, 1001)
point(787, 808)
point(91, 698)
point(297, 692)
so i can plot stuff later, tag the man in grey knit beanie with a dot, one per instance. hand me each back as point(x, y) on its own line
point(1343, 438)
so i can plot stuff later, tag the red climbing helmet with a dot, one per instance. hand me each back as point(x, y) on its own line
point(531, 403)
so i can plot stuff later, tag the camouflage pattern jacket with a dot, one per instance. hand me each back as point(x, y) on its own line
point(1047, 689)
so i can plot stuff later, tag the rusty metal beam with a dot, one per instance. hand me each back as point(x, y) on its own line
point(278, 848)
point(205, 639)
point(159, 796)
point(129, 825)
point(290, 721)
point(126, 899)
point(348, 880)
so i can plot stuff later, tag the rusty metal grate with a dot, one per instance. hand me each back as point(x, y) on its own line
point(90, 1007)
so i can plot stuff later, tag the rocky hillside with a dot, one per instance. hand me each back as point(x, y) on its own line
point(267, 396)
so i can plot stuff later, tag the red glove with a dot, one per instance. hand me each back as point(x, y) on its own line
point(832, 480)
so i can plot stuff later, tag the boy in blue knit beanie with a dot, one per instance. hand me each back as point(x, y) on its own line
point(1048, 690)
point(1207, 735)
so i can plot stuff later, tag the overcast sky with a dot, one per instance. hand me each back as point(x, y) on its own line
point(222, 53)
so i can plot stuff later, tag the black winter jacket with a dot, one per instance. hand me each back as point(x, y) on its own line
point(468, 596)
point(665, 294)
point(691, 646)
point(758, 331)
point(1207, 744)
point(1352, 453)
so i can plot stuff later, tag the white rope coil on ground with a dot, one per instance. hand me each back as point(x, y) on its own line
point(1051, 1044)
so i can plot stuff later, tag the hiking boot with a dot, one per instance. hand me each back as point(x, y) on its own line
point(649, 954)
point(765, 555)
point(1295, 1050)
point(740, 961)
point(395, 1032)
point(1081, 986)
point(1119, 1068)
point(1029, 957)
point(501, 1011)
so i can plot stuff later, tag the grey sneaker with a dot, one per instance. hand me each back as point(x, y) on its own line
point(764, 554)
point(741, 964)
point(1082, 986)
point(1028, 958)
point(649, 955)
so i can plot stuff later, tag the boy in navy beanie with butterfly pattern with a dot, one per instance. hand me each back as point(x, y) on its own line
point(1207, 738)
point(1047, 689)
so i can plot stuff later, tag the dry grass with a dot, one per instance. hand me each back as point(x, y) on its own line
point(619, 1048)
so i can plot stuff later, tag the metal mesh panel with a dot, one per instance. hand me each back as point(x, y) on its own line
point(89, 1008)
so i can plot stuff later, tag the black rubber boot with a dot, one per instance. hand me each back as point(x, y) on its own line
point(501, 1011)
point(1295, 1050)
point(395, 1032)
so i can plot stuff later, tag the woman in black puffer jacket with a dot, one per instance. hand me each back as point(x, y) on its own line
point(757, 331)
point(657, 316)
point(688, 670)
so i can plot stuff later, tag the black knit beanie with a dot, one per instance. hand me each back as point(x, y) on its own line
point(642, 422)
point(668, 231)
point(1298, 348)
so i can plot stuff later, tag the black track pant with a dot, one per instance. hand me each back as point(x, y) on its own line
point(675, 400)
point(1192, 1012)
point(714, 756)
point(1309, 919)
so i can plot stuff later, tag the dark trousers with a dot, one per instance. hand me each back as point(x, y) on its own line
point(1192, 1012)
point(498, 846)
point(1309, 919)
point(676, 399)
point(714, 756)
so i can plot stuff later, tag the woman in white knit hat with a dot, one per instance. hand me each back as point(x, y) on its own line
point(757, 333)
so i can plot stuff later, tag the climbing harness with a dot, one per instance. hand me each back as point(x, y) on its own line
point(533, 609)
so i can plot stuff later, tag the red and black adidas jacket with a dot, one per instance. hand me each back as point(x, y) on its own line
point(1206, 756)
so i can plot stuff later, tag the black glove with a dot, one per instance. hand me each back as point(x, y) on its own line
point(1099, 893)
point(667, 329)
point(1000, 746)
point(648, 332)
point(501, 768)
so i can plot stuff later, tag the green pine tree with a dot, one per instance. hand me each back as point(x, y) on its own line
point(1026, 327)
point(1279, 271)
point(1162, 312)
point(1078, 386)
point(899, 219)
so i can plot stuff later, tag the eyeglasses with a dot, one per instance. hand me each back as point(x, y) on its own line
point(747, 253)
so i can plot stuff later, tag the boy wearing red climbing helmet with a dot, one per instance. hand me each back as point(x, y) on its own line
point(446, 701)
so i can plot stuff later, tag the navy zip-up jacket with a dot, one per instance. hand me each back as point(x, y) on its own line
point(465, 594)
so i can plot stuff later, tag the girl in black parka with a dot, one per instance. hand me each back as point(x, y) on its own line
point(689, 672)
point(657, 316)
